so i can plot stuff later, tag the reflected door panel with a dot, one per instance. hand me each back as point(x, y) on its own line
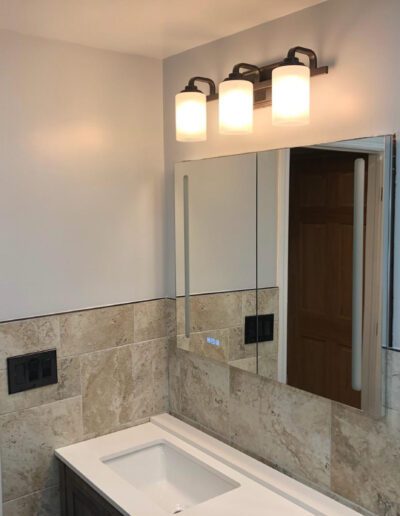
point(320, 273)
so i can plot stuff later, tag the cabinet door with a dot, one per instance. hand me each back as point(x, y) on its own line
point(79, 499)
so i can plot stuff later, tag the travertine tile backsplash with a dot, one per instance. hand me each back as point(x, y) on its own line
point(331, 446)
point(113, 373)
point(120, 365)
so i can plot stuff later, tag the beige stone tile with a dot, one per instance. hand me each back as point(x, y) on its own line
point(244, 356)
point(215, 311)
point(245, 391)
point(27, 336)
point(93, 330)
point(68, 386)
point(174, 380)
point(150, 320)
point(237, 348)
point(28, 439)
point(393, 380)
point(268, 367)
point(150, 378)
point(180, 316)
point(245, 388)
point(268, 301)
point(298, 425)
point(160, 376)
point(286, 426)
point(41, 503)
point(268, 360)
point(170, 317)
point(183, 342)
point(249, 303)
point(245, 411)
point(265, 300)
point(204, 387)
point(248, 364)
point(142, 367)
point(107, 390)
point(210, 312)
point(199, 344)
point(366, 458)
point(269, 348)
point(202, 428)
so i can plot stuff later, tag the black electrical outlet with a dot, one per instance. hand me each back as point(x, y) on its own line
point(265, 328)
point(31, 370)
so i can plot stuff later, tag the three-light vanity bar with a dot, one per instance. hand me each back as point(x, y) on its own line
point(284, 85)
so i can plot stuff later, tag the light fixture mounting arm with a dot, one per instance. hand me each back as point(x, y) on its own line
point(262, 87)
point(266, 71)
point(191, 86)
point(236, 74)
point(292, 59)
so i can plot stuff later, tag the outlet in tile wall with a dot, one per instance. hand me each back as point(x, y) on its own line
point(119, 365)
point(113, 373)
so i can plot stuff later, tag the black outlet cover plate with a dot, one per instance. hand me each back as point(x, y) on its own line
point(31, 370)
point(265, 330)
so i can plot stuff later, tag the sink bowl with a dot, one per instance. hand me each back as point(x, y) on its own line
point(173, 479)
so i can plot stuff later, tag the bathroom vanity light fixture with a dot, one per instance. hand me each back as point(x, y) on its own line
point(291, 89)
point(191, 111)
point(236, 99)
point(285, 85)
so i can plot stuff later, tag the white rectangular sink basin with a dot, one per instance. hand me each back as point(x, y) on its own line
point(173, 479)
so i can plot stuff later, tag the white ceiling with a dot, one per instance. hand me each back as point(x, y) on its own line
point(154, 28)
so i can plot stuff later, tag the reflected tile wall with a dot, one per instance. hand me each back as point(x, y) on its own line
point(217, 328)
point(393, 380)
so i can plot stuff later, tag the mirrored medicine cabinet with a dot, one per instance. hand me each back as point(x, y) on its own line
point(284, 265)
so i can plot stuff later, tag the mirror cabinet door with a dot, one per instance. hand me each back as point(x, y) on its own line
point(338, 250)
point(215, 212)
point(284, 265)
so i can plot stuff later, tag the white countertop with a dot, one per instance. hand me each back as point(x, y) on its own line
point(263, 490)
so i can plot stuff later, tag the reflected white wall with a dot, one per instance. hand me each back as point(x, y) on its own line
point(222, 224)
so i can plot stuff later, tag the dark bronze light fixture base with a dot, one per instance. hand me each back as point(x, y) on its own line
point(261, 76)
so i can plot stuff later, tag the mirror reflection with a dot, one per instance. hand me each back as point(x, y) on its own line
point(283, 264)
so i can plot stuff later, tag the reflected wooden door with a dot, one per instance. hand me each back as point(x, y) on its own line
point(320, 273)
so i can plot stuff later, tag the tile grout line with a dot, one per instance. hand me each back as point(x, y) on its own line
point(82, 310)
point(41, 405)
point(118, 346)
point(48, 488)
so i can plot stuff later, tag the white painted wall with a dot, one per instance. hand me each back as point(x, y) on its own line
point(81, 177)
point(358, 39)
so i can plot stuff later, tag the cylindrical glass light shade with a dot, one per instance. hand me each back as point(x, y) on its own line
point(191, 116)
point(236, 107)
point(291, 95)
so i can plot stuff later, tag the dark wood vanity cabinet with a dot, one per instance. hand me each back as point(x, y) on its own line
point(79, 499)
